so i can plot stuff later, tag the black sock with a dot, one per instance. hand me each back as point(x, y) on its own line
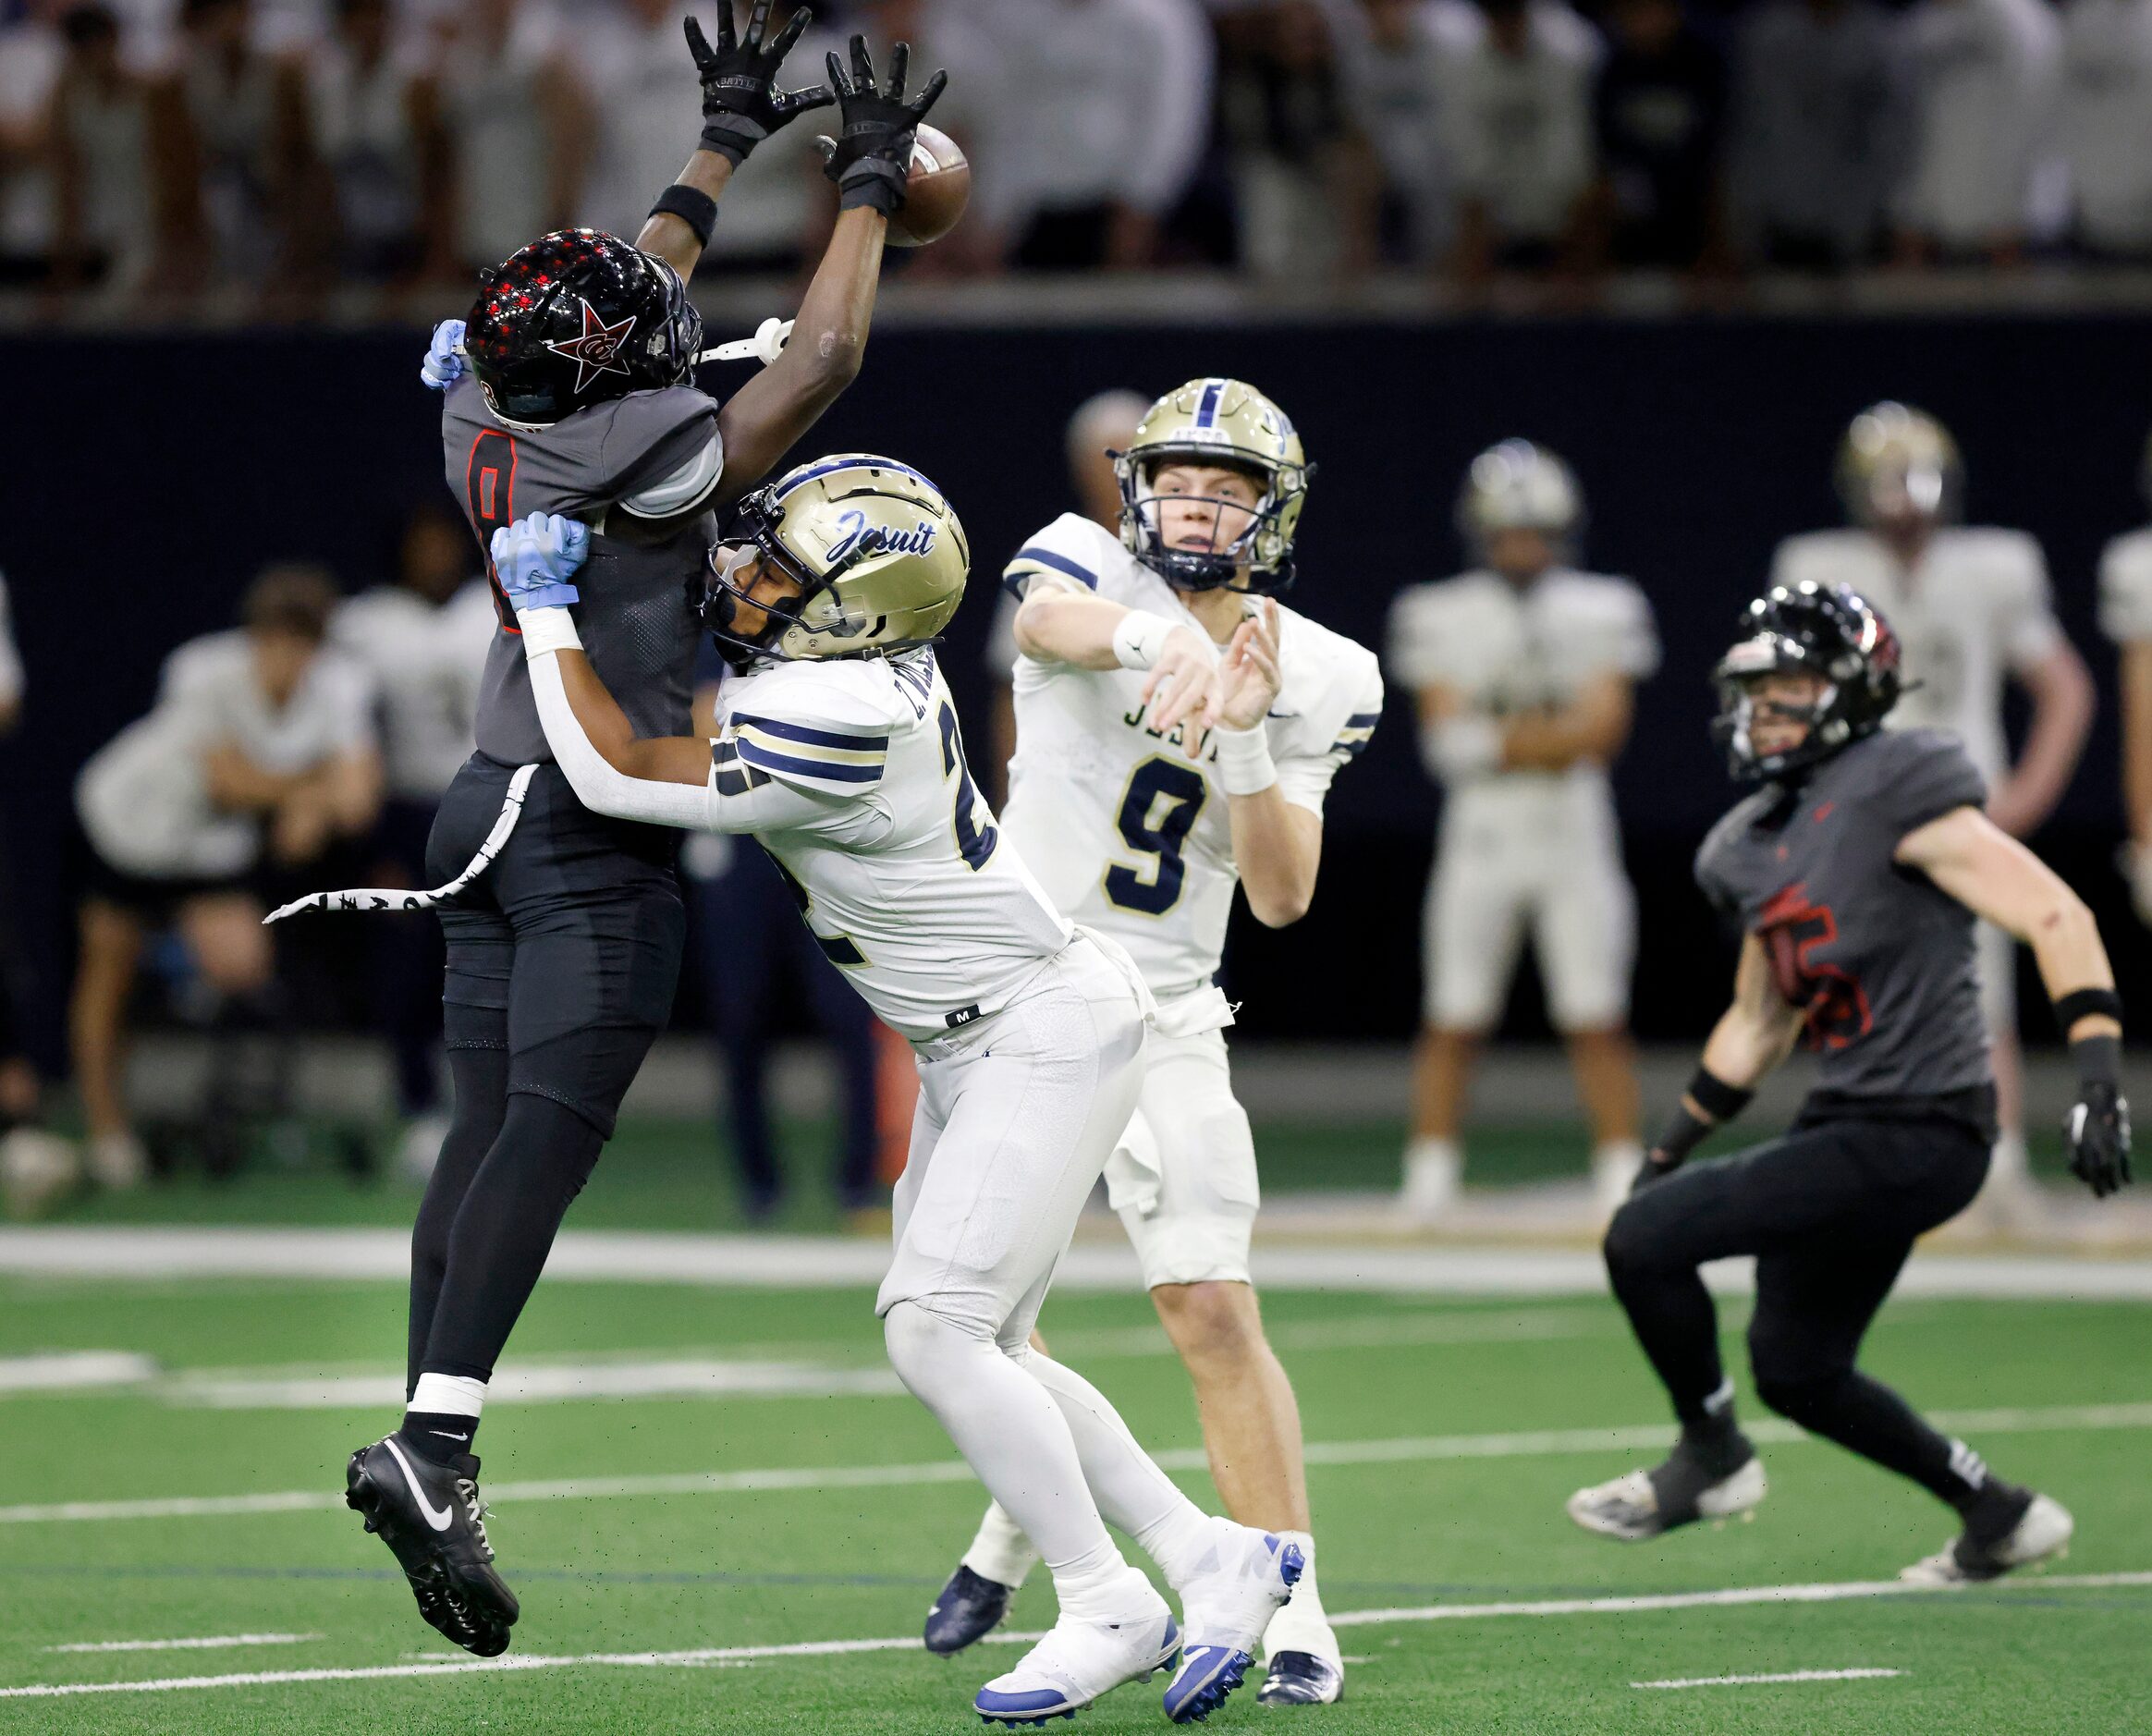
point(439, 1435)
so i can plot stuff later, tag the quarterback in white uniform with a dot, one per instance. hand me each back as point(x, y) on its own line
point(1972, 610)
point(1525, 670)
point(1142, 833)
point(2125, 616)
point(838, 750)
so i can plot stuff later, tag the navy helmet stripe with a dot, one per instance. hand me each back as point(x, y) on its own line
point(1206, 412)
point(835, 465)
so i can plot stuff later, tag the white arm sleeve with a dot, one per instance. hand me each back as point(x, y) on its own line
point(743, 805)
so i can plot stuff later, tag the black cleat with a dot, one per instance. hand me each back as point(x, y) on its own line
point(970, 1607)
point(1302, 1678)
point(430, 1515)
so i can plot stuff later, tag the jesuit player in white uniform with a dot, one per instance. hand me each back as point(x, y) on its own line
point(1525, 670)
point(838, 750)
point(2125, 616)
point(1972, 608)
point(1142, 833)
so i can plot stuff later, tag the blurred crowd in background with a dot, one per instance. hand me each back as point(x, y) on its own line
point(157, 150)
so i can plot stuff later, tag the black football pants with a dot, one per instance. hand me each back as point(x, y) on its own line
point(1830, 1211)
point(562, 959)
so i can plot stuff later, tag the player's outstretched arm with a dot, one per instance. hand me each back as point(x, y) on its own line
point(1089, 633)
point(1993, 875)
point(1754, 1034)
point(741, 106)
point(762, 421)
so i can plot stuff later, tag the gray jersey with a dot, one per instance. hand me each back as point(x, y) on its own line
point(634, 619)
point(1881, 958)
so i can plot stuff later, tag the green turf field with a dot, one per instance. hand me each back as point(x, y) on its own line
point(1431, 1493)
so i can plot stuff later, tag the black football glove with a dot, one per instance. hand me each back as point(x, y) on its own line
point(2099, 1132)
point(870, 163)
point(742, 105)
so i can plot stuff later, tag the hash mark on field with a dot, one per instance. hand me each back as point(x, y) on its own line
point(1411, 1450)
point(1787, 1675)
point(212, 1642)
point(723, 1656)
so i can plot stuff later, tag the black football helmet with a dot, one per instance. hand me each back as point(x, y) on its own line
point(1830, 632)
point(575, 319)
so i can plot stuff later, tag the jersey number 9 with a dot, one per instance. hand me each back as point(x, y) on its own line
point(1157, 815)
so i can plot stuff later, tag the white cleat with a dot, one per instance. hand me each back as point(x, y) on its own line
point(116, 1161)
point(1629, 1508)
point(1078, 1661)
point(1228, 1603)
point(2041, 1535)
point(1432, 1180)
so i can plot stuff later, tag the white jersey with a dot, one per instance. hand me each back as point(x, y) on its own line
point(426, 663)
point(1975, 609)
point(1507, 652)
point(1129, 835)
point(2125, 588)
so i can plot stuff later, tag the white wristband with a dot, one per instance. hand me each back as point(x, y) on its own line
point(1139, 638)
point(547, 631)
point(1244, 765)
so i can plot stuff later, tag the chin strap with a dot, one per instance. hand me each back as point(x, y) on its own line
point(402, 898)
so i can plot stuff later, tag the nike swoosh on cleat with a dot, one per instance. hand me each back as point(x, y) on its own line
point(445, 1435)
point(439, 1521)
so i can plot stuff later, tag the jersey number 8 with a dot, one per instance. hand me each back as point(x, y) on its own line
point(1157, 815)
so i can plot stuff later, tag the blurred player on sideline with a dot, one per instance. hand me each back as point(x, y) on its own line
point(838, 752)
point(1144, 836)
point(1099, 431)
point(2125, 616)
point(1525, 671)
point(1855, 872)
point(1971, 607)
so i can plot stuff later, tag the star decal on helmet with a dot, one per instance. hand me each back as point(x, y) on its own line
point(598, 351)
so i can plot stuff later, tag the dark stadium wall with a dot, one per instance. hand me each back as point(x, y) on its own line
point(150, 476)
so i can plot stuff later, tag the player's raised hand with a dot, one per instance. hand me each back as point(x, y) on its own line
point(535, 556)
point(2099, 1132)
point(1184, 688)
point(742, 104)
point(443, 365)
point(1251, 675)
point(870, 162)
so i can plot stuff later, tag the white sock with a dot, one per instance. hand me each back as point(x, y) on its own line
point(1001, 1552)
point(1433, 1171)
point(1623, 1154)
point(448, 1395)
point(1011, 1432)
point(1124, 1479)
point(1301, 1625)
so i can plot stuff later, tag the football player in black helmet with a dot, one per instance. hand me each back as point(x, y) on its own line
point(1855, 874)
point(564, 934)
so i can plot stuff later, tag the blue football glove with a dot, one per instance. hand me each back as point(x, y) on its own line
point(533, 559)
point(443, 365)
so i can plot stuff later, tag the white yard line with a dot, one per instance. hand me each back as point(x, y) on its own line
point(1784, 1675)
point(1411, 1450)
point(707, 1657)
point(128, 1252)
point(212, 1642)
point(71, 1370)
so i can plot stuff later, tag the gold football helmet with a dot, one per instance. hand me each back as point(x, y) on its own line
point(878, 552)
point(1227, 423)
point(1898, 462)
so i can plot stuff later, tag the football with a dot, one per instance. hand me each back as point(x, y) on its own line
point(935, 192)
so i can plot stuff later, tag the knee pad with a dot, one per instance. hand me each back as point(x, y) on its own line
point(926, 1347)
point(1628, 1245)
